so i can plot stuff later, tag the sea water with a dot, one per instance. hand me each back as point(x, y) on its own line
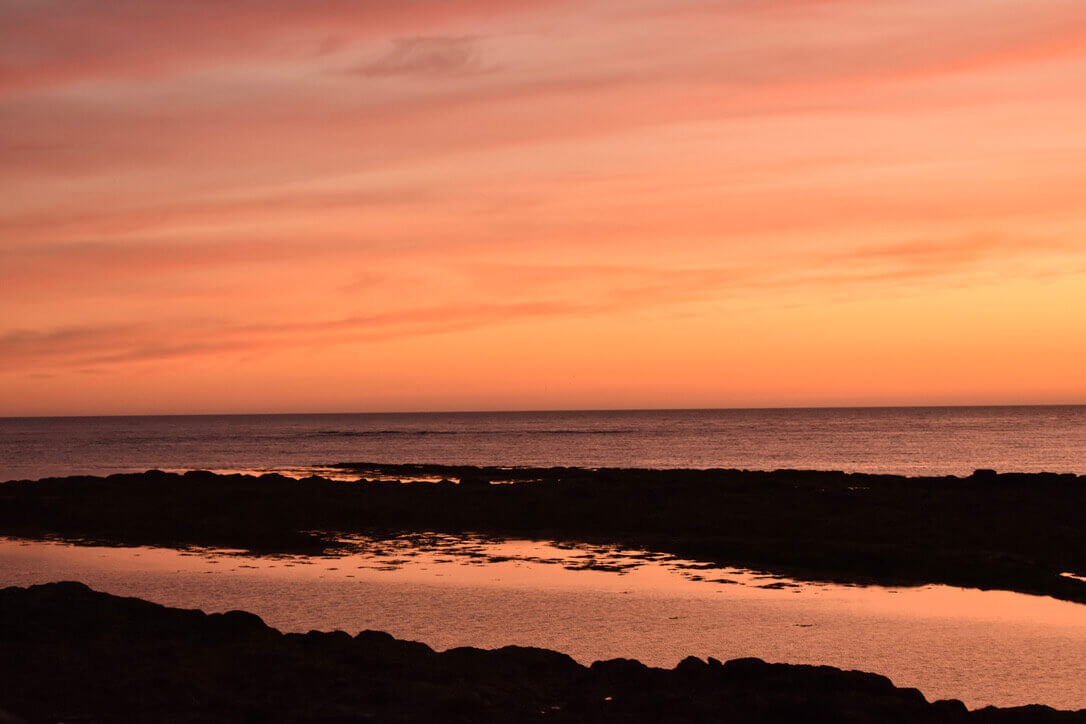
point(911, 441)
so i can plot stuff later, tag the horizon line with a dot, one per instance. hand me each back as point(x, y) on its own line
point(553, 410)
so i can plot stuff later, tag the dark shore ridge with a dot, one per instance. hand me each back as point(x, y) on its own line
point(1017, 532)
point(75, 655)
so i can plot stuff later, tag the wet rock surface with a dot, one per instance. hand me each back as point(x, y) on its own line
point(1015, 532)
point(75, 655)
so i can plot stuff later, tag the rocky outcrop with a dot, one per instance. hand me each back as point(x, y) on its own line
point(1012, 532)
point(75, 655)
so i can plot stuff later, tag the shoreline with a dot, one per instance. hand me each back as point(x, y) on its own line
point(1016, 532)
point(107, 658)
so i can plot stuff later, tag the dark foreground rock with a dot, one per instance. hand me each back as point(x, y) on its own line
point(1011, 532)
point(75, 655)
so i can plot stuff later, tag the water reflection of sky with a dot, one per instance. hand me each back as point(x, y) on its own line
point(349, 475)
point(984, 647)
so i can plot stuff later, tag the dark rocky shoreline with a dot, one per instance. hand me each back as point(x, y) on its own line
point(75, 655)
point(1016, 532)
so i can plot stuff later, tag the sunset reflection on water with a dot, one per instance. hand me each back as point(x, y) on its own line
point(984, 647)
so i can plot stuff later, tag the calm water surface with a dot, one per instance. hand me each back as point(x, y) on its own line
point(917, 441)
point(981, 647)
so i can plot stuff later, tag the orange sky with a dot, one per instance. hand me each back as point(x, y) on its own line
point(352, 205)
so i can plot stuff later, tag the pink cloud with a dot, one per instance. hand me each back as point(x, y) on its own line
point(192, 179)
point(82, 40)
point(542, 292)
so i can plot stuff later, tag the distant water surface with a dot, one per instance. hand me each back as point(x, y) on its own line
point(913, 441)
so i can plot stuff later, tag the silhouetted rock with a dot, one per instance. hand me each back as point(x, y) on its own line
point(9, 718)
point(1004, 531)
point(620, 669)
point(73, 654)
point(950, 708)
point(692, 666)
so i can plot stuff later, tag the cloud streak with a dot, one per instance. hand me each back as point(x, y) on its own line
point(213, 183)
point(542, 292)
point(77, 41)
point(425, 56)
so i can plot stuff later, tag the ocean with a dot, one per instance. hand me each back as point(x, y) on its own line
point(903, 440)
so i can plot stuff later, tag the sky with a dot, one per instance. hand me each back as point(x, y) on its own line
point(378, 205)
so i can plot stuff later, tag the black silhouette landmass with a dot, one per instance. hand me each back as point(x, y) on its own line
point(72, 654)
point(1016, 532)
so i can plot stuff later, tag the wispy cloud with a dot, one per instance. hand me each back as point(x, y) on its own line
point(425, 56)
point(71, 267)
point(209, 181)
point(73, 41)
point(547, 291)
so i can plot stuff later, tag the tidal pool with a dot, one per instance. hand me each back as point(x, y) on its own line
point(983, 647)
